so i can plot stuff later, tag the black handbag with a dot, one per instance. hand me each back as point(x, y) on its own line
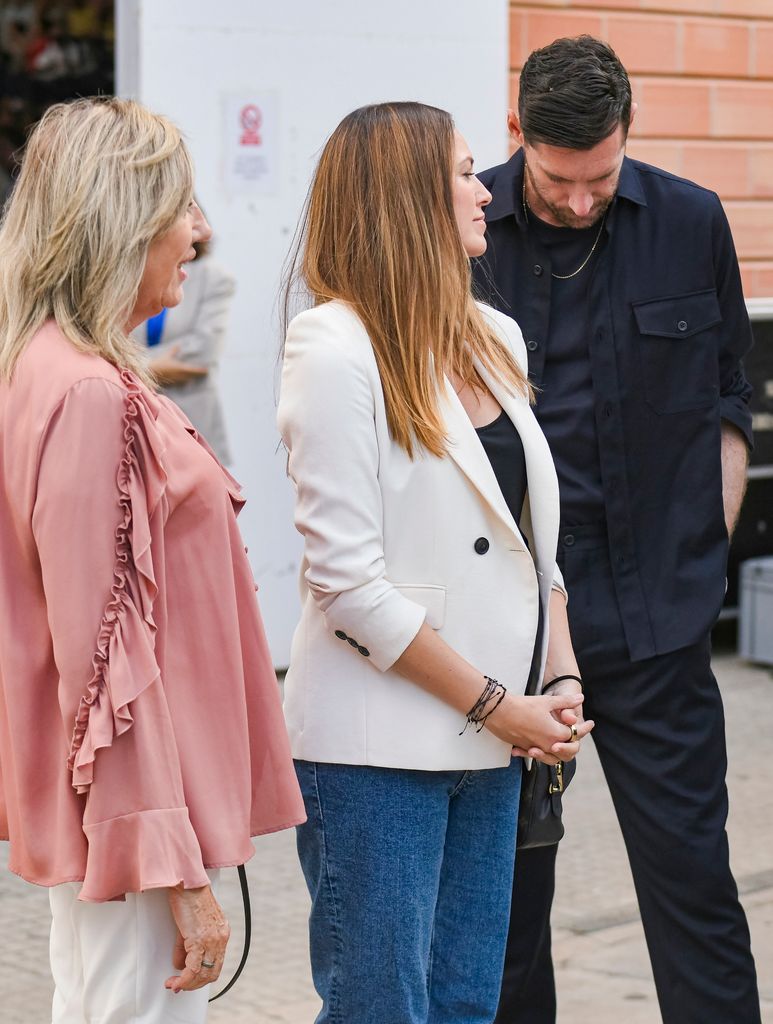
point(539, 812)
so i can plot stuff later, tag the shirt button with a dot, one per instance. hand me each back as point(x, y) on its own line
point(568, 539)
point(341, 635)
point(481, 545)
point(532, 345)
point(538, 271)
point(607, 410)
point(682, 325)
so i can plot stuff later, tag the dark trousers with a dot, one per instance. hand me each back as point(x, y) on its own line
point(660, 736)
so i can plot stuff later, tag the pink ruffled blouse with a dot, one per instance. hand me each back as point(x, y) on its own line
point(141, 732)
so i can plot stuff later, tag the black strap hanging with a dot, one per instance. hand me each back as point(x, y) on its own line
point(247, 932)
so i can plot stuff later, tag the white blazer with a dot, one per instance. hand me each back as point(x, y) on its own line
point(391, 542)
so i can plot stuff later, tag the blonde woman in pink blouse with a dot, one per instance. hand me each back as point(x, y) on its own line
point(141, 735)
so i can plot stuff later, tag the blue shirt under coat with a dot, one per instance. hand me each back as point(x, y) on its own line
point(667, 330)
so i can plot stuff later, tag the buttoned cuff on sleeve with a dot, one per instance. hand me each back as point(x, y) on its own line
point(379, 624)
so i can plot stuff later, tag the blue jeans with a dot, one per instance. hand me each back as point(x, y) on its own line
point(410, 876)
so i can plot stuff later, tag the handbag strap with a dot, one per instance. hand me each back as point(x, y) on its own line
point(247, 932)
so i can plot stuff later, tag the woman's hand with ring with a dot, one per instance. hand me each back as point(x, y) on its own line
point(202, 937)
point(537, 726)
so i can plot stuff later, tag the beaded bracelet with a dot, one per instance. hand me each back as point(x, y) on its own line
point(479, 712)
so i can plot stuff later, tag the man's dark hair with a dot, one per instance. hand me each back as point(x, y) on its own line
point(574, 93)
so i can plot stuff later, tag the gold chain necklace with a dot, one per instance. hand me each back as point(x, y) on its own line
point(584, 264)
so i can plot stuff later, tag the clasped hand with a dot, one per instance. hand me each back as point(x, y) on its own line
point(541, 727)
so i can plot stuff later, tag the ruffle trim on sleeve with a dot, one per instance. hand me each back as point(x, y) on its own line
point(124, 663)
point(139, 851)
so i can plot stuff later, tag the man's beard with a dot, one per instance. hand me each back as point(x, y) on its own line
point(565, 216)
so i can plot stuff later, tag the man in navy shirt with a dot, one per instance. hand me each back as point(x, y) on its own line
point(625, 283)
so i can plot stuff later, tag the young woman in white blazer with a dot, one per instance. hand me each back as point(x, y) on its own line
point(424, 588)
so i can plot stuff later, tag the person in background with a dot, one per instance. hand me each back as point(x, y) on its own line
point(141, 733)
point(185, 344)
point(625, 283)
point(428, 503)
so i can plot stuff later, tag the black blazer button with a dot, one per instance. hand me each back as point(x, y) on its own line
point(364, 652)
point(352, 642)
point(341, 635)
point(538, 270)
point(481, 545)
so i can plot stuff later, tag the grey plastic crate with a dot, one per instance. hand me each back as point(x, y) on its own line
point(755, 634)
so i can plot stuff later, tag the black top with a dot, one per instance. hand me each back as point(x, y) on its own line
point(504, 448)
point(565, 406)
point(503, 445)
point(667, 329)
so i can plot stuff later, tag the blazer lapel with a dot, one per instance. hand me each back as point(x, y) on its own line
point(540, 471)
point(465, 448)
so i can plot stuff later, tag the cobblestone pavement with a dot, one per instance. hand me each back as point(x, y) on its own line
point(602, 967)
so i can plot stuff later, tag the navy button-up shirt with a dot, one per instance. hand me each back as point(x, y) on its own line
point(667, 330)
point(565, 409)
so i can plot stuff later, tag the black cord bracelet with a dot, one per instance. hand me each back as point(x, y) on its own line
point(560, 679)
point(493, 694)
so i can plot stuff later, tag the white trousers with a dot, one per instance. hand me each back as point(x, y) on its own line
point(110, 961)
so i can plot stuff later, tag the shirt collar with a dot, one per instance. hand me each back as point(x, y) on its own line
point(629, 186)
point(509, 189)
point(506, 200)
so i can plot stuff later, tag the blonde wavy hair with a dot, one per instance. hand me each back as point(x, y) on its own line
point(101, 178)
point(379, 232)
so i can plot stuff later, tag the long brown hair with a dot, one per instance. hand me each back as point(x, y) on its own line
point(379, 232)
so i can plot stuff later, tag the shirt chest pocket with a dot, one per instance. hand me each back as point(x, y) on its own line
point(678, 350)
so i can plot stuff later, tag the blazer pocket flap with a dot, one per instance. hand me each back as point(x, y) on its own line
point(680, 316)
point(430, 596)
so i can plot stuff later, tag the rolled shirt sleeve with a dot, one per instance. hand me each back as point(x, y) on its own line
point(98, 514)
point(734, 389)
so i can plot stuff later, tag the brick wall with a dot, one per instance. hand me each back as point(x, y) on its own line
point(702, 74)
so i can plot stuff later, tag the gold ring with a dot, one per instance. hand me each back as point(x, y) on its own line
point(572, 734)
